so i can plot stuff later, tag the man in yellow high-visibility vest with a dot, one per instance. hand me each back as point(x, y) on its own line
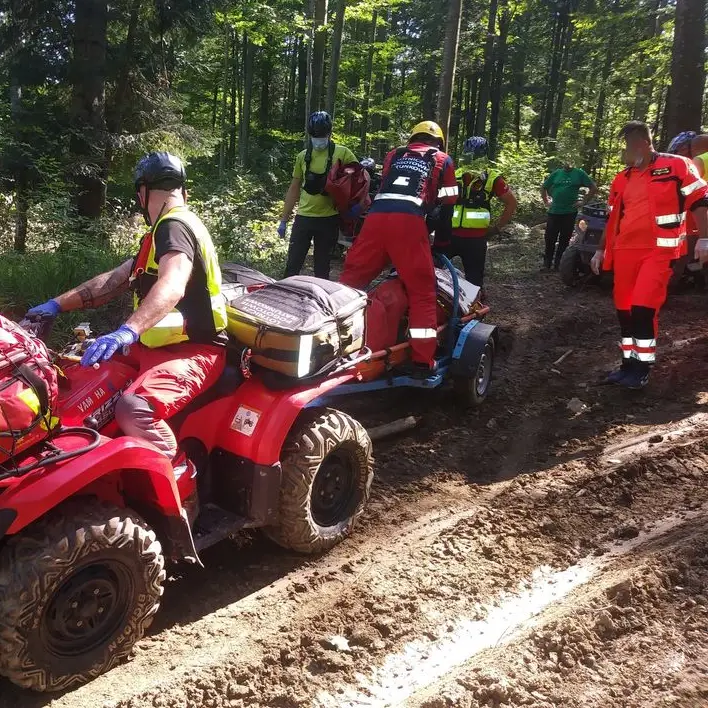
point(176, 331)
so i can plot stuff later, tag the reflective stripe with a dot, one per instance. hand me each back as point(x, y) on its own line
point(484, 214)
point(402, 197)
point(645, 343)
point(691, 188)
point(627, 340)
point(448, 192)
point(172, 320)
point(627, 353)
point(627, 347)
point(644, 356)
point(669, 242)
point(671, 219)
point(304, 355)
point(422, 333)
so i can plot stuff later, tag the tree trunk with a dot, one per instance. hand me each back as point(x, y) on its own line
point(473, 89)
point(592, 158)
point(234, 98)
point(333, 80)
point(22, 205)
point(88, 107)
point(485, 82)
point(245, 132)
point(687, 67)
point(564, 72)
point(504, 23)
point(264, 106)
point(364, 127)
point(225, 87)
point(302, 63)
point(561, 39)
point(427, 96)
point(642, 97)
point(449, 63)
point(519, 70)
point(317, 52)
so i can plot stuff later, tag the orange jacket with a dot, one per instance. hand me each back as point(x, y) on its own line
point(675, 186)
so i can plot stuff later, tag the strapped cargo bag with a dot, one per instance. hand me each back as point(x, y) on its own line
point(300, 326)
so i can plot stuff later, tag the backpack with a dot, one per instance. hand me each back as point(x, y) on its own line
point(408, 177)
point(316, 183)
point(28, 390)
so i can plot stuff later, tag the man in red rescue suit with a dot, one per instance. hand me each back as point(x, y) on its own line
point(646, 231)
point(176, 329)
point(416, 178)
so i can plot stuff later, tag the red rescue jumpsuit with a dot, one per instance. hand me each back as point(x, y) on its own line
point(415, 178)
point(645, 232)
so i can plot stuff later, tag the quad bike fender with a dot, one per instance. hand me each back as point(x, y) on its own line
point(259, 418)
point(120, 466)
point(470, 344)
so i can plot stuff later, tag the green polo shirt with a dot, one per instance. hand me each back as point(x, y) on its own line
point(564, 187)
point(319, 204)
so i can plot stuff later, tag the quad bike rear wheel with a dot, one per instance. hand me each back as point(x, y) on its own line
point(568, 268)
point(78, 589)
point(327, 473)
point(471, 391)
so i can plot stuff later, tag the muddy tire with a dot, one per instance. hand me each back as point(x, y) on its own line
point(327, 473)
point(568, 267)
point(77, 590)
point(471, 391)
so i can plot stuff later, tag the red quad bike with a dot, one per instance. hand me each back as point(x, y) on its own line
point(89, 518)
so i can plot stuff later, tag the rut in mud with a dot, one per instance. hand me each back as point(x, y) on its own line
point(472, 515)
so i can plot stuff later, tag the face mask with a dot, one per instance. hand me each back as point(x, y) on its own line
point(320, 143)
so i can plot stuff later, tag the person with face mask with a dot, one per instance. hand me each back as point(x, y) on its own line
point(176, 329)
point(645, 232)
point(317, 217)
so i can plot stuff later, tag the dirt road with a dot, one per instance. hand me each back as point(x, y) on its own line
point(519, 555)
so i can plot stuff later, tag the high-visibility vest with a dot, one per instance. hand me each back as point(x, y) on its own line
point(172, 329)
point(703, 157)
point(674, 187)
point(473, 207)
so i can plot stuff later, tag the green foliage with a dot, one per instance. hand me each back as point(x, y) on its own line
point(525, 169)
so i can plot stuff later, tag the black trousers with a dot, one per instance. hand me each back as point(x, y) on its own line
point(559, 227)
point(473, 253)
point(324, 231)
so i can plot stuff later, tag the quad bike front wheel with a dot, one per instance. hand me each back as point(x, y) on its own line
point(327, 468)
point(472, 391)
point(78, 589)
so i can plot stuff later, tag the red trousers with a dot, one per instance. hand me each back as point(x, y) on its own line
point(641, 280)
point(401, 240)
point(170, 377)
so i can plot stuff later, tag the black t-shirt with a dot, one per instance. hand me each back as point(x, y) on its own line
point(170, 236)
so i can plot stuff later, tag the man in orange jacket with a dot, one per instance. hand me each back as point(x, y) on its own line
point(416, 178)
point(645, 232)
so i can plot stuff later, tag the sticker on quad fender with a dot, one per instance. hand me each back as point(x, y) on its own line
point(245, 420)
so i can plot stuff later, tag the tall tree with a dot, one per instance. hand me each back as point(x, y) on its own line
point(364, 126)
point(485, 81)
point(336, 57)
point(318, 43)
point(88, 107)
point(687, 67)
point(447, 76)
point(498, 77)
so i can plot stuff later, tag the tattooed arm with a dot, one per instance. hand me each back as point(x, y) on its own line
point(97, 291)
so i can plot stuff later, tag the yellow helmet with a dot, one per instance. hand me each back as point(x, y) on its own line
point(429, 127)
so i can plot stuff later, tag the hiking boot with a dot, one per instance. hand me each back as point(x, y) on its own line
point(636, 379)
point(616, 376)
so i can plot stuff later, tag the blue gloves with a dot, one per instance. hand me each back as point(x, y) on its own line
point(105, 347)
point(354, 212)
point(282, 227)
point(47, 311)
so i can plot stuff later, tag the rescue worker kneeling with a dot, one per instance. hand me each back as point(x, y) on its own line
point(646, 231)
point(415, 179)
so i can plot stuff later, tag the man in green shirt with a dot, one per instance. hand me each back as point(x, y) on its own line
point(317, 218)
point(563, 188)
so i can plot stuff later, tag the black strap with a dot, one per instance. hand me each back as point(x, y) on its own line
point(38, 385)
point(308, 156)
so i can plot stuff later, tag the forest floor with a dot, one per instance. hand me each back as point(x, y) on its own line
point(519, 555)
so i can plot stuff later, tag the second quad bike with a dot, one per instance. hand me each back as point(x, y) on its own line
point(89, 518)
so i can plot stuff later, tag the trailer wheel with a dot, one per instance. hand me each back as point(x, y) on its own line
point(471, 391)
point(327, 473)
point(78, 589)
